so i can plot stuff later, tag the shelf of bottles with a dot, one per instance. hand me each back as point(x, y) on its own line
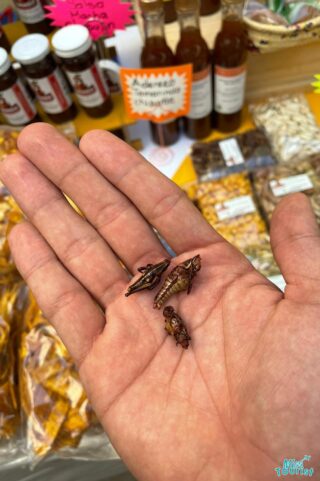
point(116, 119)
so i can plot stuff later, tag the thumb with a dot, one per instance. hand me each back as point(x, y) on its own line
point(295, 241)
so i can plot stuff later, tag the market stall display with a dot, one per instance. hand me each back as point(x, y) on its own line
point(237, 188)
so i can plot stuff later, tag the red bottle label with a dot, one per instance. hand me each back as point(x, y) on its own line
point(16, 105)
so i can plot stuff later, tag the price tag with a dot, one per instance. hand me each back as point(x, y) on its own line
point(157, 94)
point(289, 185)
point(231, 152)
point(234, 207)
point(101, 17)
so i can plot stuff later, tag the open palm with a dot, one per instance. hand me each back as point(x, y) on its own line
point(246, 394)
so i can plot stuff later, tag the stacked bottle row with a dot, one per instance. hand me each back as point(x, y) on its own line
point(74, 50)
point(207, 7)
point(218, 82)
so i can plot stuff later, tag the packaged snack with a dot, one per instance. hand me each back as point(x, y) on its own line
point(274, 183)
point(11, 306)
point(10, 214)
point(245, 152)
point(228, 206)
point(290, 126)
point(54, 403)
point(8, 140)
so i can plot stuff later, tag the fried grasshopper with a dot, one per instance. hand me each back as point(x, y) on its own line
point(151, 276)
point(179, 279)
point(175, 326)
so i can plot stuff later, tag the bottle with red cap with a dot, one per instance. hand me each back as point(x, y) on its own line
point(44, 77)
point(16, 105)
point(74, 46)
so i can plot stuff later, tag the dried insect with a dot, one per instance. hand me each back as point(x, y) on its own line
point(151, 275)
point(179, 279)
point(175, 326)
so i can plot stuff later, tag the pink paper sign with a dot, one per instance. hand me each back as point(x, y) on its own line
point(101, 17)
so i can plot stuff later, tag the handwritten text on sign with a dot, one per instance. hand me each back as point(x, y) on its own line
point(157, 94)
point(101, 17)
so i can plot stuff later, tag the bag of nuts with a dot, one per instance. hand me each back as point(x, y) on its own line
point(274, 183)
point(290, 126)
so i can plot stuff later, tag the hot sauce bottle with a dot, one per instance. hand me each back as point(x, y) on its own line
point(16, 105)
point(230, 55)
point(44, 77)
point(156, 53)
point(32, 14)
point(193, 49)
point(73, 45)
point(170, 14)
point(208, 7)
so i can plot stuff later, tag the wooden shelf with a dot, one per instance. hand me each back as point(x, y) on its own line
point(83, 123)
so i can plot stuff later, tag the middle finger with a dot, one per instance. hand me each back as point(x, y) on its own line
point(107, 209)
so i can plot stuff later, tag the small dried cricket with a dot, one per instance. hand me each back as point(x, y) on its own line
point(151, 276)
point(179, 279)
point(175, 326)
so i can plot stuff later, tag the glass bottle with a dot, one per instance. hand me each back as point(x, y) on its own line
point(16, 105)
point(31, 13)
point(170, 14)
point(208, 7)
point(73, 45)
point(230, 55)
point(193, 49)
point(44, 77)
point(156, 53)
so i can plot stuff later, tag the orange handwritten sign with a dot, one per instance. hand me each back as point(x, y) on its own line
point(157, 94)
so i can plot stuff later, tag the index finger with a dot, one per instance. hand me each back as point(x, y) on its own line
point(160, 201)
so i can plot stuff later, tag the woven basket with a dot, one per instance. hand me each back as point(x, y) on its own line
point(268, 38)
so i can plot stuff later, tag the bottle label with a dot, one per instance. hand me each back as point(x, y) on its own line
point(52, 92)
point(16, 105)
point(241, 205)
point(229, 86)
point(89, 86)
point(201, 94)
point(30, 11)
point(289, 185)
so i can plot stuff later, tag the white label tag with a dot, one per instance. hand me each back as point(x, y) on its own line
point(231, 152)
point(52, 92)
point(201, 95)
point(89, 86)
point(229, 89)
point(289, 185)
point(234, 207)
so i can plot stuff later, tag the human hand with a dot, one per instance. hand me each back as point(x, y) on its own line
point(246, 393)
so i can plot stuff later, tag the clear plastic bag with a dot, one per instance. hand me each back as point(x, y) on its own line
point(290, 126)
point(54, 404)
point(282, 12)
point(244, 152)
point(274, 183)
point(228, 205)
